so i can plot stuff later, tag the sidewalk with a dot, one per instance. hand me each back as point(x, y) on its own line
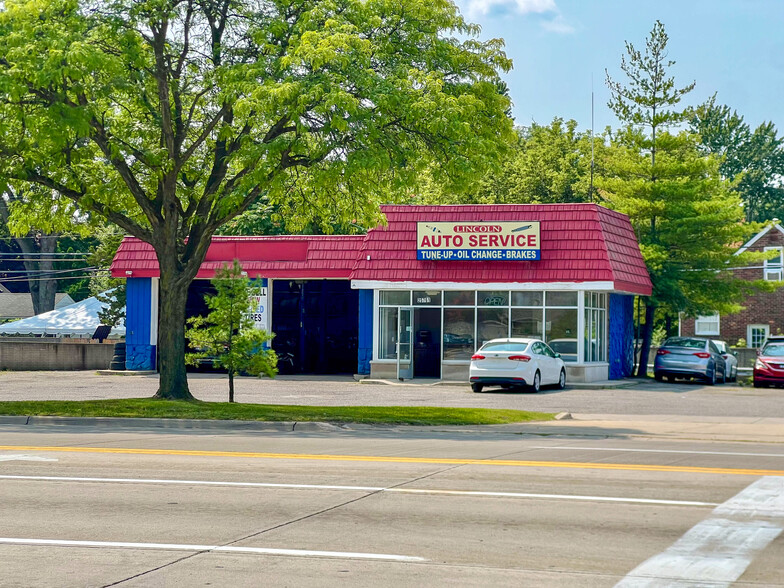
point(737, 430)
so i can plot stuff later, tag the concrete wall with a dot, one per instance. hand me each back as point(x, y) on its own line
point(54, 354)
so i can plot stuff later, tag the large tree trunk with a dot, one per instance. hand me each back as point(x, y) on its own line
point(647, 335)
point(40, 267)
point(173, 383)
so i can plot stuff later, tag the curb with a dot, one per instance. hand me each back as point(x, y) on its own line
point(114, 422)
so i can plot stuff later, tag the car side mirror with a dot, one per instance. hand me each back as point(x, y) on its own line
point(557, 354)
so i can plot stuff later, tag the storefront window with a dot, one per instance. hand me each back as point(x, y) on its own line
point(527, 298)
point(394, 297)
point(387, 333)
point(459, 298)
point(594, 335)
point(527, 322)
point(561, 299)
point(429, 298)
point(492, 323)
point(561, 331)
point(458, 333)
point(492, 298)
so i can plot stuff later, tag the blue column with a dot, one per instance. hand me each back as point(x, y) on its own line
point(621, 335)
point(365, 339)
point(139, 349)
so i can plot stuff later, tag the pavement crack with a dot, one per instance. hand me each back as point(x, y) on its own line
point(155, 569)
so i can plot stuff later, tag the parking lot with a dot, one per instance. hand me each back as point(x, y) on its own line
point(638, 398)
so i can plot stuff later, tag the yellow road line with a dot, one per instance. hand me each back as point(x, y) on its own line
point(392, 459)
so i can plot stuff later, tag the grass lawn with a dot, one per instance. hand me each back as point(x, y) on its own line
point(169, 409)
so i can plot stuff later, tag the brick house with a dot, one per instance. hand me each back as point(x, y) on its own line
point(763, 313)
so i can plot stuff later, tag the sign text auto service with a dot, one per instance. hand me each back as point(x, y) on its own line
point(478, 241)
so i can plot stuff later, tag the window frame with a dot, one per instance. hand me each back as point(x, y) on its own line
point(707, 318)
point(750, 339)
point(773, 265)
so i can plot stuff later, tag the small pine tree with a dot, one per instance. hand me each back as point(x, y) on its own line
point(227, 334)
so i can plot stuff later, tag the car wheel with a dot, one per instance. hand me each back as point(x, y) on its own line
point(537, 383)
point(476, 387)
point(724, 376)
point(562, 380)
point(658, 377)
point(712, 379)
point(735, 374)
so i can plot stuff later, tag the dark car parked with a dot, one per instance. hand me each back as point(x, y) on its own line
point(689, 357)
point(769, 367)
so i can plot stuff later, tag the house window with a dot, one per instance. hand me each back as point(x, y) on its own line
point(774, 268)
point(757, 334)
point(707, 325)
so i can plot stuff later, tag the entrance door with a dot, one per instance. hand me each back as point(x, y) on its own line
point(405, 344)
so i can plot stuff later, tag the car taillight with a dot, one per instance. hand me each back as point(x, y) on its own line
point(725, 355)
point(702, 355)
point(520, 358)
point(477, 356)
point(663, 352)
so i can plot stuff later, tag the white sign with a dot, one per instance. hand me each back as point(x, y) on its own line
point(259, 313)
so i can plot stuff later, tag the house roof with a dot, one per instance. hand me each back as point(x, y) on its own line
point(758, 236)
point(16, 305)
point(284, 256)
point(579, 243)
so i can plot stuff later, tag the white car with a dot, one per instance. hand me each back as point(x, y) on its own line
point(730, 358)
point(516, 362)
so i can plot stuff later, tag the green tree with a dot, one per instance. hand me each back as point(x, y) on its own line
point(753, 160)
point(687, 220)
point(171, 117)
point(548, 164)
point(227, 334)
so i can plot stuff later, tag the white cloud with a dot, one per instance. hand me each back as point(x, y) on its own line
point(558, 25)
point(551, 18)
point(520, 6)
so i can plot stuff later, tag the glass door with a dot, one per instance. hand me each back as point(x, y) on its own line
point(405, 344)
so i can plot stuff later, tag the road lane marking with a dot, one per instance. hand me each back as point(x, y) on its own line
point(717, 551)
point(396, 490)
point(410, 460)
point(211, 548)
point(732, 453)
point(26, 458)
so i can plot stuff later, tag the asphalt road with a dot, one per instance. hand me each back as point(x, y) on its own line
point(130, 507)
point(649, 398)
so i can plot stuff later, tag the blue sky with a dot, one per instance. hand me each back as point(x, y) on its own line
point(732, 47)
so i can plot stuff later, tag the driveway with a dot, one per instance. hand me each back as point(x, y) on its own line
point(645, 398)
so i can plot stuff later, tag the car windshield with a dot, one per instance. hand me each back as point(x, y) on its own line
point(504, 346)
point(773, 349)
point(685, 342)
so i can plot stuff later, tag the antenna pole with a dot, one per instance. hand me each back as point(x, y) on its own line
point(590, 189)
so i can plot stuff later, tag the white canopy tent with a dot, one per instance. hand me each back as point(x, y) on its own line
point(75, 320)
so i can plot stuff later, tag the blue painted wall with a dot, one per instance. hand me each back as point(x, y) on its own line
point(139, 354)
point(621, 335)
point(365, 343)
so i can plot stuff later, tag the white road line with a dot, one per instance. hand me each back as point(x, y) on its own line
point(717, 551)
point(623, 449)
point(20, 457)
point(215, 548)
point(363, 489)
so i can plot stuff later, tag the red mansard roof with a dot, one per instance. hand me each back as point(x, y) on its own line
point(284, 256)
point(579, 243)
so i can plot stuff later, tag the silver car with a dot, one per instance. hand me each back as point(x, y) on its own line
point(689, 357)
